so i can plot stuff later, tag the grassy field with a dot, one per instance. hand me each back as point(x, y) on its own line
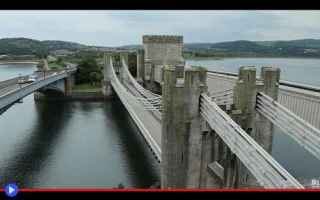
point(86, 88)
point(55, 66)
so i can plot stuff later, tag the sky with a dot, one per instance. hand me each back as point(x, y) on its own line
point(124, 27)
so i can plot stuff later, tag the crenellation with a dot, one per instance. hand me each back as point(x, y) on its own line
point(162, 39)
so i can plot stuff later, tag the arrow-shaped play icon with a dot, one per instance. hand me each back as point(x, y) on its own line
point(11, 190)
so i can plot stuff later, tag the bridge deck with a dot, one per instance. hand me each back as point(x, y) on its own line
point(148, 125)
point(151, 123)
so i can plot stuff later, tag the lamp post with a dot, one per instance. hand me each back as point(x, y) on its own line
point(19, 80)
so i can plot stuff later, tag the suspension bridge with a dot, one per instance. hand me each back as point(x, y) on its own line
point(214, 129)
point(146, 107)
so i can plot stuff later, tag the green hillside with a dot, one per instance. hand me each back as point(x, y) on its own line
point(294, 48)
point(240, 48)
point(53, 45)
point(25, 46)
point(22, 46)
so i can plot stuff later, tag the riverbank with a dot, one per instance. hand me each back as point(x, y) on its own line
point(234, 57)
point(87, 92)
point(74, 96)
point(83, 92)
point(18, 62)
point(87, 96)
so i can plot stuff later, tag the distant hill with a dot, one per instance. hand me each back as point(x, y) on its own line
point(21, 46)
point(305, 43)
point(53, 45)
point(136, 46)
point(292, 48)
point(25, 46)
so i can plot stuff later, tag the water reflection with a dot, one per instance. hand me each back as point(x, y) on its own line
point(141, 163)
point(32, 153)
point(72, 144)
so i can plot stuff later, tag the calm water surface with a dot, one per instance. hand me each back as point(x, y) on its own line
point(76, 144)
point(292, 69)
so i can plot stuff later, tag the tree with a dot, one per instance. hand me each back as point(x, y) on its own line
point(93, 77)
point(88, 71)
point(41, 54)
point(40, 65)
point(59, 60)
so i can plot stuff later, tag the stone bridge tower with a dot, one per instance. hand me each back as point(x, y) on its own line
point(160, 50)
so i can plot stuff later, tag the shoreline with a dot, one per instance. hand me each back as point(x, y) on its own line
point(75, 96)
point(18, 62)
point(231, 57)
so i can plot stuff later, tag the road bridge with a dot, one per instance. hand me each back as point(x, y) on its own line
point(11, 91)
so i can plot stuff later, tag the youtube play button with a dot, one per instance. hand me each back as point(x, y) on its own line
point(11, 190)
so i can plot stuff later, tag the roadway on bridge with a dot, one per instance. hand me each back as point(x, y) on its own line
point(15, 85)
point(151, 122)
point(12, 91)
point(11, 85)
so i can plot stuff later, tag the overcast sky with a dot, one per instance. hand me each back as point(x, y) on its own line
point(114, 28)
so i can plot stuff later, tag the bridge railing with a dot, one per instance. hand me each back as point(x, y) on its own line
point(6, 83)
point(302, 99)
point(268, 172)
point(300, 130)
point(150, 100)
point(223, 97)
point(17, 93)
point(146, 93)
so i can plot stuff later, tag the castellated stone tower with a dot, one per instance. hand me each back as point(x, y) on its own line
point(163, 49)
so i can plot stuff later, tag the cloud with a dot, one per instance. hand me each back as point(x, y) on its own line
point(113, 28)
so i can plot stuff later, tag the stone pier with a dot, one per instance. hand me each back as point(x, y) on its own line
point(184, 140)
point(56, 91)
point(257, 126)
point(140, 65)
point(107, 89)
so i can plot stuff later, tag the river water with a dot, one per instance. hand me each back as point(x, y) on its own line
point(96, 144)
point(294, 69)
point(74, 144)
